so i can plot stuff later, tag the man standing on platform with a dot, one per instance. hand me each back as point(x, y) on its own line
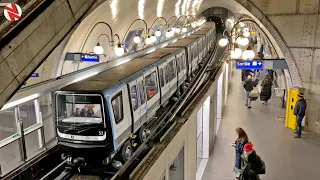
point(299, 112)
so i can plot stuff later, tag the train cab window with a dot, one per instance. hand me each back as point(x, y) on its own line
point(162, 80)
point(134, 98)
point(80, 114)
point(142, 93)
point(171, 70)
point(151, 85)
point(117, 107)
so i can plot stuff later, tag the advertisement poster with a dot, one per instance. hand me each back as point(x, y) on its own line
point(130, 46)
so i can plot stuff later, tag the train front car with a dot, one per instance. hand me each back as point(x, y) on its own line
point(83, 129)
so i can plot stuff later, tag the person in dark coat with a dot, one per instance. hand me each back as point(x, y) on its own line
point(253, 165)
point(270, 73)
point(266, 90)
point(242, 139)
point(86, 112)
point(299, 111)
point(248, 86)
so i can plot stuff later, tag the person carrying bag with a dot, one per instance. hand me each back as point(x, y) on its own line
point(249, 86)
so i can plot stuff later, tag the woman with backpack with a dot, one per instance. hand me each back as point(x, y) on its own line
point(242, 139)
point(253, 164)
point(266, 90)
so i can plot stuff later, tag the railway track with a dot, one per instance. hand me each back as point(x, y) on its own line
point(160, 125)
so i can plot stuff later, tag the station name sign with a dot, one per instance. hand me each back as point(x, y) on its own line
point(249, 64)
point(89, 57)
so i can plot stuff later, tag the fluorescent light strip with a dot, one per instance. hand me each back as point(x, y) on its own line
point(151, 50)
point(124, 61)
point(20, 101)
point(85, 77)
point(166, 44)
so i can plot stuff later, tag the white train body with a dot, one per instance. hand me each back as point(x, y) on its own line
point(96, 116)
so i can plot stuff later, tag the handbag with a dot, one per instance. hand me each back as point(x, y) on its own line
point(254, 94)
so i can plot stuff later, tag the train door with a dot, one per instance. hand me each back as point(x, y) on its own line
point(120, 113)
point(142, 99)
point(152, 91)
point(164, 85)
point(135, 105)
point(172, 75)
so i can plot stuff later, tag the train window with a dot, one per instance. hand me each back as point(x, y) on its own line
point(151, 85)
point(171, 70)
point(183, 59)
point(134, 98)
point(181, 63)
point(161, 77)
point(178, 64)
point(194, 52)
point(117, 107)
point(142, 93)
point(78, 112)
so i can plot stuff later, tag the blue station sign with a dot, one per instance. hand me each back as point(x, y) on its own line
point(35, 75)
point(89, 57)
point(249, 64)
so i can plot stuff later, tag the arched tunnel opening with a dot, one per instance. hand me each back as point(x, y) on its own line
point(220, 26)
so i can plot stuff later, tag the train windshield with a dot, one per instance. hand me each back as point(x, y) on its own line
point(80, 115)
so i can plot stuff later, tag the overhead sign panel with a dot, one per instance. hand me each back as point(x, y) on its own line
point(89, 57)
point(249, 64)
point(35, 75)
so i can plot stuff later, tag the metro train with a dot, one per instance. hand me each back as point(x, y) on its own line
point(105, 115)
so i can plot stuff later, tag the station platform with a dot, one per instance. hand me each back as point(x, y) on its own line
point(285, 157)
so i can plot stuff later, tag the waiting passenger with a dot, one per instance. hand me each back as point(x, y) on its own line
point(77, 113)
point(266, 90)
point(248, 86)
point(242, 139)
point(299, 112)
point(253, 164)
point(86, 112)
